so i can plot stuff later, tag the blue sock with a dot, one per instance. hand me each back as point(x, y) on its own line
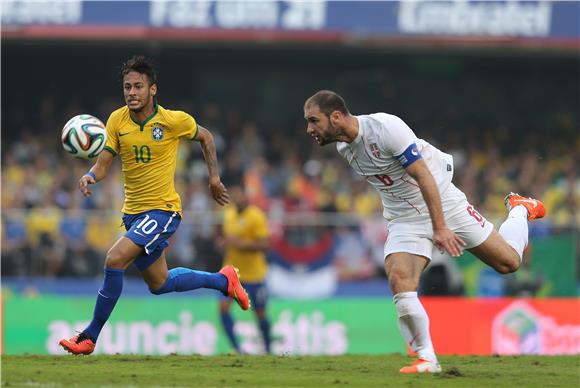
point(184, 279)
point(265, 329)
point(106, 301)
point(228, 324)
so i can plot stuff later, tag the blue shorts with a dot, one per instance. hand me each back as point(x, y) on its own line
point(258, 294)
point(150, 230)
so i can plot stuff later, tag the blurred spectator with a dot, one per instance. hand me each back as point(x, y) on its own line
point(16, 254)
point(285, 172)
point(80, 258)
point(250, 143)
point(352, 259)
point(43, 228)
point(233, 171)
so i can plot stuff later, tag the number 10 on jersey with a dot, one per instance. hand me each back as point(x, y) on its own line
point(142, 154)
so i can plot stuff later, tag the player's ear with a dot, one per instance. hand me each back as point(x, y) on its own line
point(153, 89)
point(335, 117)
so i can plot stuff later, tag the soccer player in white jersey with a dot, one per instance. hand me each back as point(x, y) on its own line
point(422, 206)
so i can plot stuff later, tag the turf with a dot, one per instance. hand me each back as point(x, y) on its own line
point(273, 371)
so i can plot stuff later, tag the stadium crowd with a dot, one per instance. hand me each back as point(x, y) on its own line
point(49, 229)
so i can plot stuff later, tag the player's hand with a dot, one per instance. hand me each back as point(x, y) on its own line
point(219, 191)
point(84, 183)
point(445, 240)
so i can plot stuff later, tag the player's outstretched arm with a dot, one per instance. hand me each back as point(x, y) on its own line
point(100, 170)
point(443, 237)
point(216, 187)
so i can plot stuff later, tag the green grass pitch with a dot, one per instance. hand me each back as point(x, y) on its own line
point(293, 371)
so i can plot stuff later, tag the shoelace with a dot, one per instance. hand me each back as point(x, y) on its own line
point(82, 337)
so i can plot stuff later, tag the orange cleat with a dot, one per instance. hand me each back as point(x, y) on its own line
point(79, 344)
point(235, 289)
point(421, 366)
point(535, 208)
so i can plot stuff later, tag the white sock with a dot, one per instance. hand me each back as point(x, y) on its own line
point(414, 325)
point(515, 229)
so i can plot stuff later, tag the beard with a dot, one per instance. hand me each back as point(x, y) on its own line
point(141, 107)
point(330, 135)
point(136, 110)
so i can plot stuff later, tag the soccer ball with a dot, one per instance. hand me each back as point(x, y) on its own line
point(84, 136)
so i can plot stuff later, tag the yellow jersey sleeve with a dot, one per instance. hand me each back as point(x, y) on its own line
point(183, 125)
point(112, 143)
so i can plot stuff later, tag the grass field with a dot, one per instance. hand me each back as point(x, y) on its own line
point(273, 371)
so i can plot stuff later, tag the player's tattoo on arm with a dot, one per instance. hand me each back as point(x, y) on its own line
point(209, 152)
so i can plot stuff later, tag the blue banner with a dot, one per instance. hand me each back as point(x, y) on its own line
point(364, 19)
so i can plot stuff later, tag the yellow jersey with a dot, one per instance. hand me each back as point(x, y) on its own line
point(148, 154)
point(249, 225)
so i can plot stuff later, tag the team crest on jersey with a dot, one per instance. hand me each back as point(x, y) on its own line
point(157, 133)
point(375, 150)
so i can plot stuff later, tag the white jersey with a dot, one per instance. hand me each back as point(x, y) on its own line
point(376, 154)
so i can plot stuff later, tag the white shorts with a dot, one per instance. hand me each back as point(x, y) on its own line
point(414, 234)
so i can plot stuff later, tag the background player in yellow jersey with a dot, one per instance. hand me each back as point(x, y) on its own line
point(146, 136)
point(245, 239)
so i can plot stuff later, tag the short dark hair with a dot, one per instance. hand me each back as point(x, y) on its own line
point(328, 102)
point(141, 65)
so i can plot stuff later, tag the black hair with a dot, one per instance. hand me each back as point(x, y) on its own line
point(141, 65)
point(328, 102)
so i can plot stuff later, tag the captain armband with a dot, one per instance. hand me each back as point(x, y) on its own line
point(409, 156)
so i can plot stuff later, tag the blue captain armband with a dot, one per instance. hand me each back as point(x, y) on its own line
point(409, 156)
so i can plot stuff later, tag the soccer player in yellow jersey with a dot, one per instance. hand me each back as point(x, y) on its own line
point(245, 239)
point(146, 137)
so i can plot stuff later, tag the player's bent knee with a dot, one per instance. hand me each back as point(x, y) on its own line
point(400, 281)
point(114, 260)
point(163, 288)
point(114, 264)
point(508, 266)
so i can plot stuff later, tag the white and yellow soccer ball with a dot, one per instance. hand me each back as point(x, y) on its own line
point(84, 136)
